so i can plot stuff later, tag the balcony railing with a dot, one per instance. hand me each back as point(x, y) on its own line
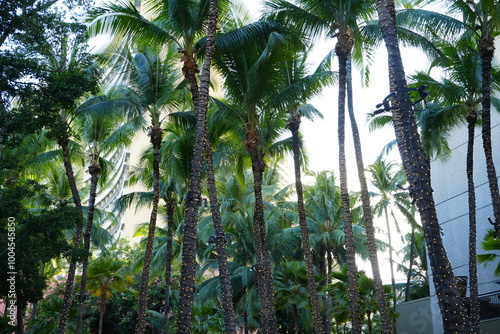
point(489, 305)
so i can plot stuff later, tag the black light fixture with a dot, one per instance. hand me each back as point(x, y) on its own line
point(422, 94)
point(496, 227)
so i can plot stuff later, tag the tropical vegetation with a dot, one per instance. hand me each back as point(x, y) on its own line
point(189, 112)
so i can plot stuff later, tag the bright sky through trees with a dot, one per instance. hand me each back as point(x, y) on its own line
point(320, 136)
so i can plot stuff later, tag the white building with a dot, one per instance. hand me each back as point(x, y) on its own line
point(449, 182)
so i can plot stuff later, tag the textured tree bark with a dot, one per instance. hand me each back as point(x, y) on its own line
point(156, 137)
point(417, 168)
point(487, 49)
point(186, 290)
point(269, 323)
point(343, 49)
point(293, 126)
point(220, 243)
point(94, 170)
point(471, 191)
point(170, 206)
point(68, 289)
point(391, 261)
point(387, 324)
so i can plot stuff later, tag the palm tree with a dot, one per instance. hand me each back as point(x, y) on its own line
point(178, 143)
point(103, 134)
point(340, 19)
point(249, 98)
point(153, 85)
point(244, 68)
point(417, 282)
point(463, 93)
point(298, 88)
point(67, 62)
point(177, 14)
point(417, 170)
point(325, 219)
point(291, 294)
point(368, 299)
point(388, 184)
point(480, 23)
point(236, 196)
point(104, 278)
point(485, 15)
point(200, 98)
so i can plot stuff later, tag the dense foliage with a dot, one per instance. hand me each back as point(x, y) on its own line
point(281, 252)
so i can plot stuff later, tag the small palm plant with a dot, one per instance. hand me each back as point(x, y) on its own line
point(105, 277)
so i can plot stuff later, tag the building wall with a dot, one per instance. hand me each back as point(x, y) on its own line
point(132, 218)
point(414, 317)
point(449, 183)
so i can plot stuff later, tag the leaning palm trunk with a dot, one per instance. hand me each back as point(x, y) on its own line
point(170, 206)
point(343, 49)
point(220, 243)
point(294, 125)
point(68, 290)
point(474, 301)
point(190, 68)
point(94, 170)
point(487, 52)
point(417, 170)
point(387, 324)
point(186, 290)
point(156, 137)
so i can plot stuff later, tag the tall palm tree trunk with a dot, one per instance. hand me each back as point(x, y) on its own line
point(343, 49)
point(391, 260)
point(387, 324)
point(417, 170)
point(412, 255)
point(156, 137)
point(473, 292)
point(186, 289)
point(94, 170)
point(68, 289)
point(220, 243)
point(190, 69)
point(20, 317)
point(328, 280)
point(170, 206)
point(487, 50)
point(263, 261)
point(294, 125)
point(3, 113)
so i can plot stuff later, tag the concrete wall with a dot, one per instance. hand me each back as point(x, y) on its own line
point(490, 326)
point(415, 317)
